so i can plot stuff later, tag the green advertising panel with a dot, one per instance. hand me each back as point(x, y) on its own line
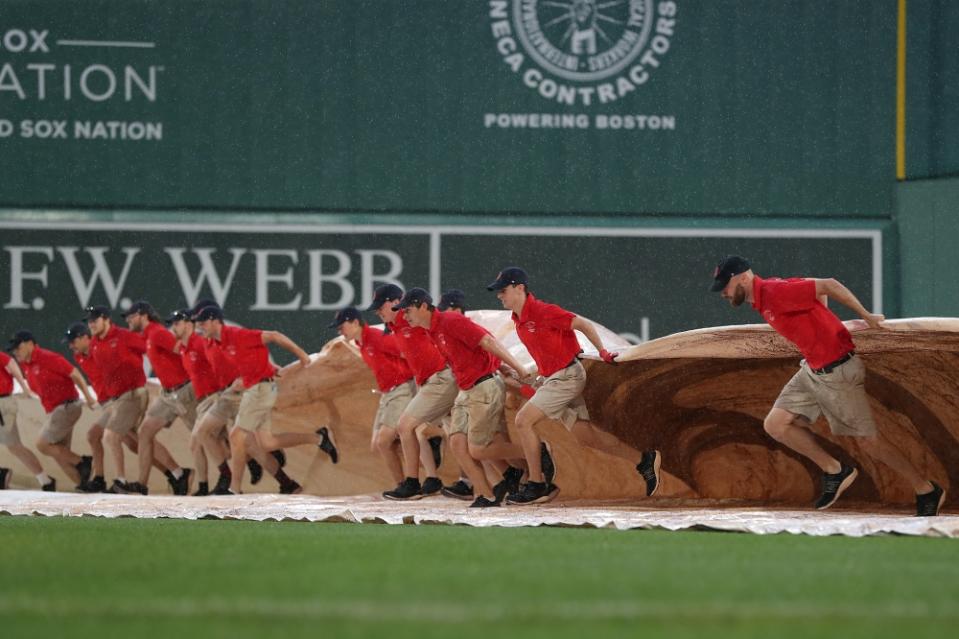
point(640, 282)
point(781, 107)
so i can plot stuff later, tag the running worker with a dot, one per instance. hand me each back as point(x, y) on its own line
point(382, 355)
point(175, 399)
point(55, 380)
point(9, 435)
point(478, 426)
point(830, 380)
point(548, 332)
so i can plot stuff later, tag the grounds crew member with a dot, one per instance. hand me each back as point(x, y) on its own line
point(55, 380)
point(175, 399)
point(9, 435)
point(478, 426)
point(830, 380)
point(382, 355)
point(548, 332)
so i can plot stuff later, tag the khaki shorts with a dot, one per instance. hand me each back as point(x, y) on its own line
point(169, 405)
point(256, 406)
point(9, 436)
point(106, 412)
point(561, 396)
point(58, 429)
point(839, 395)
point(480, 412)
point(127, 411)
point(393, 403)
point(222, 405)
point(434, 398)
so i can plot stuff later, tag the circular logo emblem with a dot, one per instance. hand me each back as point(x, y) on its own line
point(583, 40)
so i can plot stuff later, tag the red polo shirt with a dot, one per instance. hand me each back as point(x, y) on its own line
point(226, 373)
point(417, 347)
point(89, 368)
point(119, 356)
point(198, 367)
point(545, 331)
point(167, 365)
point(791, 307)
point(382, 354)
point(244, 348)
point(48, 374)
point(6, 379)
point(457, 337)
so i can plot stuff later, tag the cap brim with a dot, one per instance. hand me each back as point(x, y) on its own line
point(495, 286)
point(443, 307)
point(334, 324)
point(719, 285)
point(375, 304)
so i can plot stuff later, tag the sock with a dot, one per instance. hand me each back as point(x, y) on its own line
point(204, 485)
point(224, 469)
point(282, 477)
point(169, 476)
point(43, 478)
point(177, 473)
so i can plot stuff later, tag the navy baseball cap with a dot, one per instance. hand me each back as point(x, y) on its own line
point(199, 306)
point(385, 293)
point(19, 338)
point(93, 312)
point(508, 276)
point(725, 270)
point(453, 298)
point(179, 315)
point(141, 307)
point(209, 313)
point(414, 297)
point(347, 314)
point(75, 330)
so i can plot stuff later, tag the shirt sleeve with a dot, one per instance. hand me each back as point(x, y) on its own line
point(58, 364)
point(468, 331)
point(249, 337)
point(134, 341)
point(555, 317)
point(164, 339)
point(789, 296)
point(4, 359)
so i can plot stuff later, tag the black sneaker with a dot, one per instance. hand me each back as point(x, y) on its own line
point(512, 477)
point(95, 485)
point(223, 485)
point(203, 489)
point(483, 502)
point(280, 456)
point(135, 488)
point(50, 486)
point(534, 493)
point(409, 489)
point(256, 471)
point(929, 504)
point(290, 488)
point(5, 478)
point(119, 487)
point(500, 491)
point(648, 467)
point(834, 485)
point(436, 446)
point(84, 467)
point(431, 486)
point(182, 485)
point(458, 490)
point(546, 461)
point(327, 445)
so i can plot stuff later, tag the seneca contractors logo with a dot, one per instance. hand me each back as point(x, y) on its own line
point(582, 53)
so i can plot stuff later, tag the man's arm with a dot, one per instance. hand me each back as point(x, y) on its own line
point(284, 342)
point(82, 383)
point(835, 289)
point(586, 328)
point(491, 345)
point(14, 369)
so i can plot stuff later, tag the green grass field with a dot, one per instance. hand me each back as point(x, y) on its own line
point(85, 577)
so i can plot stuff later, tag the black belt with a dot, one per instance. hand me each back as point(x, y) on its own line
point(265, 380)
point(176, 388)
point(7, 395)
point(482, 379)
point(68, 402)
point(831, 366)
point(575, 361)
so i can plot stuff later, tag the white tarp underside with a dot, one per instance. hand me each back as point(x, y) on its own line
point(369, 509)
